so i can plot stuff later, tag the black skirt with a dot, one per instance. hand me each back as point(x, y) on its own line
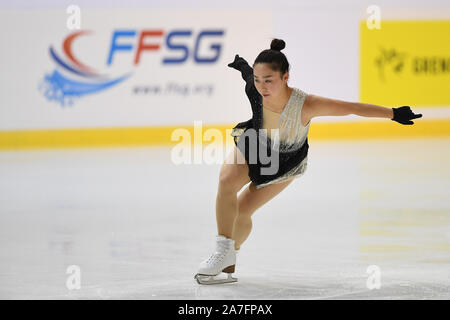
point(286, 160)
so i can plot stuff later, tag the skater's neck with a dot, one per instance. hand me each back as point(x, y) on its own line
point(278, 103)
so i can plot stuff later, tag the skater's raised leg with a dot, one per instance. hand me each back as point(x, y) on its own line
point(248, 202)
point(233, 176)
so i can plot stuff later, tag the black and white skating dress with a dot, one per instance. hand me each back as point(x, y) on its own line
point(292, 143)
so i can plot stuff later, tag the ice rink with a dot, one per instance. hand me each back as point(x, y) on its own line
point(137, 225)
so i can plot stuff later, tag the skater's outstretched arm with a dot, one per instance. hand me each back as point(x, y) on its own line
point(320, 106)
point(242, 65)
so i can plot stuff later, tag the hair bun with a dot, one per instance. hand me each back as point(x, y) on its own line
point(277, 45)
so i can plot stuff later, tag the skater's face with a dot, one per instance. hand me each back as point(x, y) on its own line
point(270, 84)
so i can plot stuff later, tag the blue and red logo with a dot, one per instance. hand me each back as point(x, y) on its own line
point(73, 79)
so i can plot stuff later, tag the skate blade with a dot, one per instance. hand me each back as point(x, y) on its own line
point(207, 279)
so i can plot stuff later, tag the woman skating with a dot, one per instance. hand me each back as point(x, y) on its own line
point(271, 150)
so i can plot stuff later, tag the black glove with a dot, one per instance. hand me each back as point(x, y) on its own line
point(241, 65)
point(237, 63)
point(404, 115)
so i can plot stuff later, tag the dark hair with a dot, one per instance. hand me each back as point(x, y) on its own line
point(274, 57)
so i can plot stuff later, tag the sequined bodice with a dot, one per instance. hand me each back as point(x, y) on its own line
point(291, 131)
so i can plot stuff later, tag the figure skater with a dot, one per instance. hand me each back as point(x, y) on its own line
point(286, 112)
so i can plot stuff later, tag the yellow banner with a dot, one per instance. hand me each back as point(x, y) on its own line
point(405, 63)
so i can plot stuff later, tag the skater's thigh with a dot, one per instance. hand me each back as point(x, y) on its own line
point(234, 171)
point(252, 199)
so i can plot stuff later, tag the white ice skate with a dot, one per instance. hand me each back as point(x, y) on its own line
point(222, 260)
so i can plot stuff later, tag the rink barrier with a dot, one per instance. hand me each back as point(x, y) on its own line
point(161, 136)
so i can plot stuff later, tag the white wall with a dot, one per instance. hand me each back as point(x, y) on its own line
point(322, 47)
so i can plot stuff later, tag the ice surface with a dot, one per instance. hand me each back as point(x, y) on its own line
point(138, 225)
